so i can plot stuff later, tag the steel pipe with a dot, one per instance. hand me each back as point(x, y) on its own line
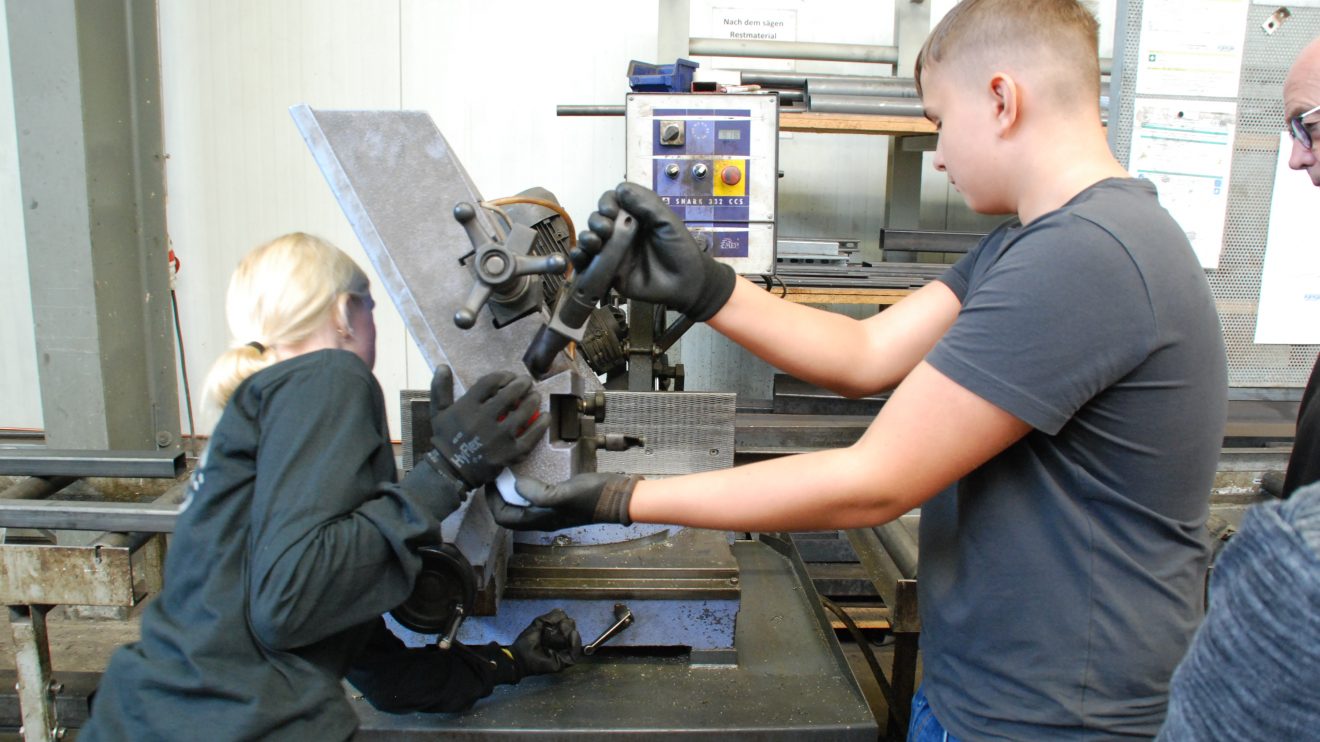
point(35, 488)
point(46, 462)
point(778, 79)
point(865, 104)
point(173, 497)
point(793, 50)
point(571, 110)
point(900, 545)
point(66, 515)
point(891, 87)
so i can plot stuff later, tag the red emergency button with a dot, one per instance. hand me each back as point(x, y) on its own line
point(730, 175)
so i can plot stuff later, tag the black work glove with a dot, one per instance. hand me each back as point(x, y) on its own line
point(435, 481)
point(582, 500)
point(487, 429)
point(665, 265)
point(549, 644)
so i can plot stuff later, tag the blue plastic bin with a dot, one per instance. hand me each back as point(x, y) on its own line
point(661, 78)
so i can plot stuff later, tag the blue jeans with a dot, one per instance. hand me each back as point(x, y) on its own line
point(924, 727)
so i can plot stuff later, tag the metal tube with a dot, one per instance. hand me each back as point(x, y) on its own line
point(47, 462)
point(134, 541)
point(900, 546)
point(793, 50)
point(571, 110)
point(780, 79)
point(88, 516)
point(866, 104)
point(892, 87)
point(35, 488)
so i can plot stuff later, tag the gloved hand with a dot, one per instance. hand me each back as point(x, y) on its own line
point(432, 480)
point(487, 429)
point(665, 265)
point(582, 500)
point(549, 644)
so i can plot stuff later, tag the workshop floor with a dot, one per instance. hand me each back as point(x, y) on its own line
point(85, 645)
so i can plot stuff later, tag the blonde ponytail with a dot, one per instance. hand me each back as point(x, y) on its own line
point(280, 293)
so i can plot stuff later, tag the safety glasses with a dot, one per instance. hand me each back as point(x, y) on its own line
point(1299, 130)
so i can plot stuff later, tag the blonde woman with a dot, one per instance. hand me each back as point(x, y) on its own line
point(295, 536)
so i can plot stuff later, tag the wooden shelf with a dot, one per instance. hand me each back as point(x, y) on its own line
point(855, 123)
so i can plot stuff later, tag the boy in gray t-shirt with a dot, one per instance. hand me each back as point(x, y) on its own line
point(1062, 580)
point(1068, 376)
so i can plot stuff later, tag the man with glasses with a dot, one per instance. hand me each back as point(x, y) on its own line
point(1301, 105)
point(1254, 665)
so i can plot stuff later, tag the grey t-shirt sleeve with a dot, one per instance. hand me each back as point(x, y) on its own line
point(1037, 336)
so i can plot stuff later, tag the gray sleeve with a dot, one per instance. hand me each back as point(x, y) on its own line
point(958, 276)
point(323, 529)
point(1060, 315)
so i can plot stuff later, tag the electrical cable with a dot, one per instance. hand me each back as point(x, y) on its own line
point(770, 280)
point(543, 203)
point(175, 265)
point(508, 223)
point(183, 370)
point(886, 689)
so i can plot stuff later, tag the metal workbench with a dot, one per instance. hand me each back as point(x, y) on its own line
point(791, 681)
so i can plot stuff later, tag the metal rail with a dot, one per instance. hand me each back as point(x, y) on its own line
point(118, 517)
point(47, 462)
point(793, 50)
point(588, 110)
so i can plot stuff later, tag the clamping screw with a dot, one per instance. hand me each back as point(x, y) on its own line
point(494, 263)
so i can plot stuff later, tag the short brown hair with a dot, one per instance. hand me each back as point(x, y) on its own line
point(1063, 33)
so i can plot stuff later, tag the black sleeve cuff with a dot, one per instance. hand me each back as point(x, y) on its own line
point(398, 679)
point(715, 291)
point(435, 486)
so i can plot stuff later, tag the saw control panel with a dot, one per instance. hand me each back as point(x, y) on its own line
point(715, 160)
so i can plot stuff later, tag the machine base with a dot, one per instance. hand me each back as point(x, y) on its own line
point(791, 680)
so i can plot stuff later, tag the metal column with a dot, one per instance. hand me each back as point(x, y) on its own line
point(35, 686)
point(903, 182)
point(92, 170)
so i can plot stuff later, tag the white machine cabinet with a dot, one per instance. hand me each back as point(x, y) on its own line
point(715, 160)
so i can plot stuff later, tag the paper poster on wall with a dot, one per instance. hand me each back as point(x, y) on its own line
point(1289, 308)
point(1186, 149)
point(754, 24)
point(729, 21)
point(1191, 47)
